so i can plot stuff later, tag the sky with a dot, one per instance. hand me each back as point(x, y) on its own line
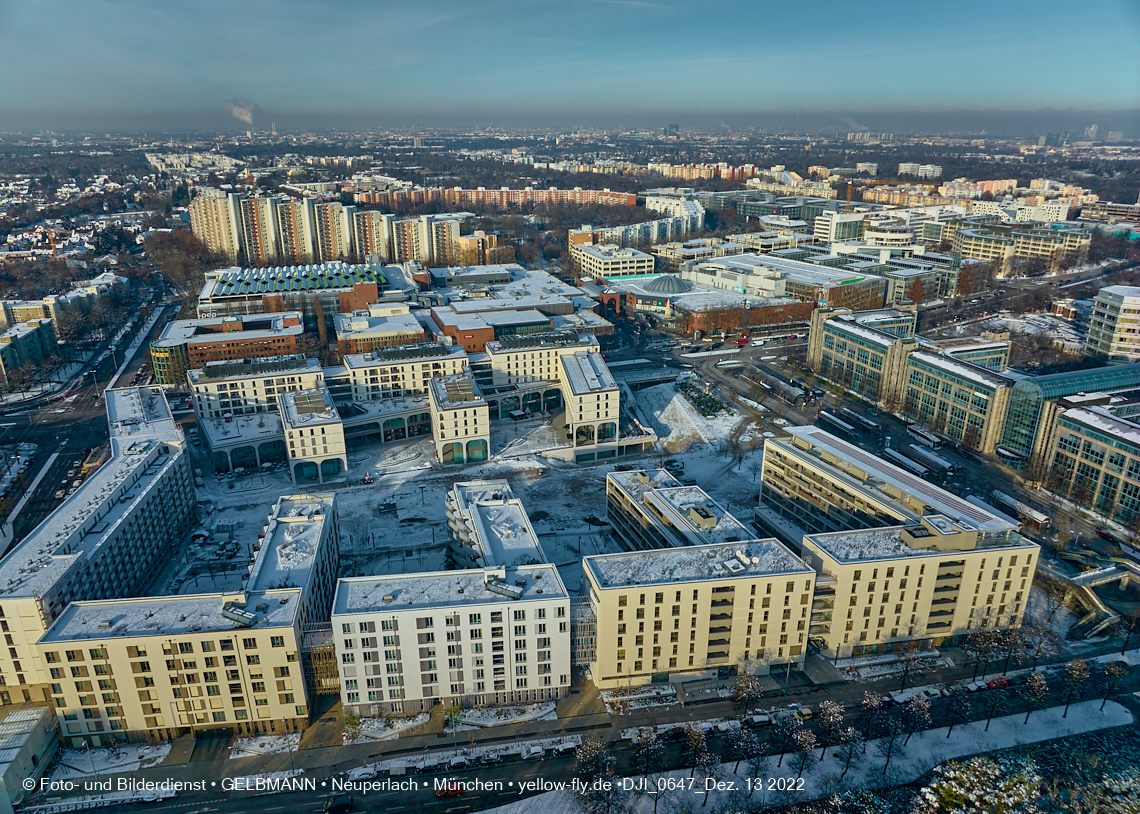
point(174, 63)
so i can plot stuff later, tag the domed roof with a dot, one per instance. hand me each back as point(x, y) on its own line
point(667, 284)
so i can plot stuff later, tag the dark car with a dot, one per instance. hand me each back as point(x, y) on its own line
point(335, 805)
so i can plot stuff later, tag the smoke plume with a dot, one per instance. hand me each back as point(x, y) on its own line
point(242, 109)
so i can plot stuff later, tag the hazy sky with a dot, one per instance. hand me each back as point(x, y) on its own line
point(70, 62)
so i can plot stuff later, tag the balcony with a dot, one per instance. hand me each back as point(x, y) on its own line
point(823, 604)
point(717, 657)
point(937, 626)
point(720, 617)
point(944, 575)
point(718, 642)
point(941, 613)
point(720, 629)
point(820, 630)
point(721, 603)
point(821, 617)
point(947, 589)
point(943, 601)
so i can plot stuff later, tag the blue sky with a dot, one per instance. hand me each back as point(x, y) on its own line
point(569, 61)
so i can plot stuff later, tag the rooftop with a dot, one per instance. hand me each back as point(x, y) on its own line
point(964, 370)
point(888, 482)
point(1100, 419)
point(235, 281)
point(362, 324)
point(442, 589)
point(631, 482)
point(742, 560)
point(289, 546)
point(458, 390)
point(796, 270)
point(424, 351)
point(224, 370)
point(1111, 379)
point(586, 372)
point(539, 341)
point(498, 522)
point(220, 329)
point(307, 408)
point(606, 251)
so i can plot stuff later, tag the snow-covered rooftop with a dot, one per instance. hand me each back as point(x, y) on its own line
point(1100, 419)
point(586, 373)
point(692, 563)
point(631, 482)
point(307, 408)
point(445, 589)
point(497, 522)
point(289, 548)
point(963, 370)
point(456, 391)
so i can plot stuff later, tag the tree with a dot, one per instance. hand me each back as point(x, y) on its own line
point(648, 751)
point(696, 745)
point(916, 716)
point(594, 760)
point(805, 750)
point(850, 747)
point(709, 764)
point(997, 702)
point(747, 690)
point(1034, 693)
point(911, 659)
point(959, 707)
point(1130, 621)
point(1076, 674)
point(981, 784)
point(757, 764)
point(830, 724)
point(889, 742)
point(352, 726)
point(870, 709)
point(965, 282)
point(742, 744)
point(1111, 679)
point(915, 293)
point(785, 725)
point(980, 646)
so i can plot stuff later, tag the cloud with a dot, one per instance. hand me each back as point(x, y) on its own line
point(242, 109)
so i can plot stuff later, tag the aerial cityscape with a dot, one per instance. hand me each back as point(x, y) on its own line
point(610, 426)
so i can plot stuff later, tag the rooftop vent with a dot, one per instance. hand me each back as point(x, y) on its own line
point(262, 607)
point(388, 598)
point(239, 615)
point(702, 518)
point(104, 624)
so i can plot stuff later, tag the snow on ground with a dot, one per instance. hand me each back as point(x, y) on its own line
point(386, 729)
point(1037, 611)
point(475, 751)
point(496, 716)
point(511, 439)
point(677, 422)
point(651, 695)
point(265, 745)
point(113, 760)
point(821, 779)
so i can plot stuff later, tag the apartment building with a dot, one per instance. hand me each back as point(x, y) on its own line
point(926, 584)
point(489, 526)
point(766, 242)
point(104, 541)
point(460, 423)
point(1108, 212)
point(1114, 325)
point(661, 230)
point(497, 635)
point(592, 403)
point(1054, 245)
point(379, 326)
point(396, 372)
point(26, 344)
point(991, 247)
point(155, 668)
point(694, 612)
point(605, 260)
point(920, 170)
point(249, 386)
point(482, 249)
point(314, 436)
point(531, 359)
point(187, 344)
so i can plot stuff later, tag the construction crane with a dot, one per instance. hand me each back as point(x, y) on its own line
point(851, 184)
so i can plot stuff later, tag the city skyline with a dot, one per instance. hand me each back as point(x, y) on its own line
point(597, 62)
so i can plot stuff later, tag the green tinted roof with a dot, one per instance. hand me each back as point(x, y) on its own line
point(1112, 379)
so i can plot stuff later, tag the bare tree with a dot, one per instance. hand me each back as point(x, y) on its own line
point(851, 746)
point(1034, 693)
point(784, 728)
point(870, 709)
point(1076, 674)
point(959, 707)
point(805, 750)
point(997, 702)
point(1111, 679)
point(831, 724)
point(648, 751)
point(888, 744)
point(911, 660)
point(916, 716)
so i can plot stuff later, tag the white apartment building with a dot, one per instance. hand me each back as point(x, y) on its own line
point(314, 436)
point(605, 260)
point(489, 526)
point(249, 386)
point(460, 421)
point(155, 668)
point(592, 399)
point(533, 358)
point(103, 542)
point(498, 635)
point(1114, 326)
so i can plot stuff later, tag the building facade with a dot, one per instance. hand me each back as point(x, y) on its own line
point(1114, 324)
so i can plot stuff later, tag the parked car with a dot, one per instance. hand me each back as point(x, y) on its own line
point(533, 753)
point(804, 713)
point(1105, 534)
point(60, 494)
point(362, 773)
point(998, 683)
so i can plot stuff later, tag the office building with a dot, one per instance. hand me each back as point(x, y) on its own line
point(1093, 458)
point(1108, 212)
point(26, 345)
point(314, 436)
point(380, 325)
point(897, 557)
point(104, 541)
point(155, 668)
point(188, 344)
point(1034, 404)
point(803, 281)
point(495, 635)
point(1114, 324)
point(606, 261)
point(670, 256)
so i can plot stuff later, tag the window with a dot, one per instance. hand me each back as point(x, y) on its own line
point(277, 641)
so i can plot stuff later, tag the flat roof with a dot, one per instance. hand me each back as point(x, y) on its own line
point(498, 522)
point(797, 270)
point(236, 281)
point(630, 482)
point(865, 545)
point(881, 473)
point(1101, 420)
point(226, 370)
point(308, 408)
point(290, 543)
point(349, 326)
point(765, 557)
point(455, 391)
point(419, 352)
point(539, 341)
point(962, 369)
point(446, 589)
point(181, 331)
point(586, 372)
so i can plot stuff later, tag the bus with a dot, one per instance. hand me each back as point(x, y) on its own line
point(925, 436)
point(936, 463)
point(914, 467)
point(837, 423)
point(1038, 521)
point(858, 420)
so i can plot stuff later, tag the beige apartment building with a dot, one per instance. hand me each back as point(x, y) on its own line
point(697, 611)
point(154, 668)
point(104, 541)
point(460, 422)
point(250, 385)
point(1114, 325)
point(396, 372)
point(605, 260)
point(314, 436)
point(927, 583)
point(979, 244)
